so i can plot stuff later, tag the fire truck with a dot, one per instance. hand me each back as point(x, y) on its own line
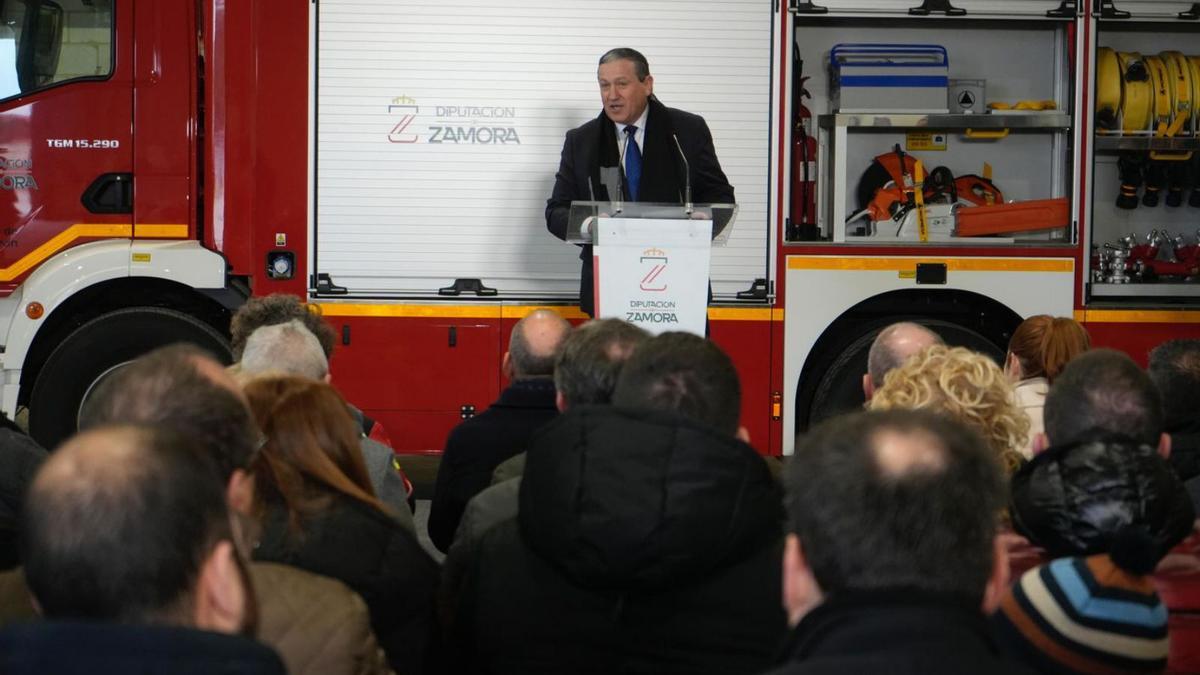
point(389, 161)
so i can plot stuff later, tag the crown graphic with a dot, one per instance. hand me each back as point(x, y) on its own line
point(400, 100)
point(654, 251)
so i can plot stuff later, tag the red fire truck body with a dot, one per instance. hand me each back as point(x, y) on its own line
point(144, 201)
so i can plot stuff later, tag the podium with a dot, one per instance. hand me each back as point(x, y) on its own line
point(650, 261)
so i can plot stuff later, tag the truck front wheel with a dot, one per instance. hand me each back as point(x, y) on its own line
point(98, 348)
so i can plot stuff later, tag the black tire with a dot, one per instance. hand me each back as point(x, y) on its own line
point(96, 349)
point(838, 387)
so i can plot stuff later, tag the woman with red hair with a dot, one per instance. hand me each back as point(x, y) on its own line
point(1037, 352)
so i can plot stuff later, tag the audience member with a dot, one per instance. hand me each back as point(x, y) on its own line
point(20, 457)
point(130, 554)
point(1175, 369)
point(277, 308)
point(648, 537)
point(962, 384)
point(585, 373)
point(477, 446)
point(1104, 470)
point(1037, 352)
point(891, 560)
point(319, 513)
point(291, 349)
point(891, 348)
point(1099, 614)
point(184, 389)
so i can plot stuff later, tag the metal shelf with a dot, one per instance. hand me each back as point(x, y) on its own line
point(1116, 143)
point(943, 122)
point(1147, 290)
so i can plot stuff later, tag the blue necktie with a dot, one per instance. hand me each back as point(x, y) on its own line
point(633, 162)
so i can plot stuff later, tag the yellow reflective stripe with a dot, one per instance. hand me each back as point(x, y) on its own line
point(60, 241)
point(1137, 316)
point(522, 311)
point(514, 311)
point(172, 231)
point(739, 313)
point(412, 311)
point(872, 264)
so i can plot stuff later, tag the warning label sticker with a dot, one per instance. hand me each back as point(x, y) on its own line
point(924, 141)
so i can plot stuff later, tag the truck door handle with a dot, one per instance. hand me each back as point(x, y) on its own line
point(109, 193)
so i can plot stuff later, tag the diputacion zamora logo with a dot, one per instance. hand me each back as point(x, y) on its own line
point(654, 262)
point(453, 124)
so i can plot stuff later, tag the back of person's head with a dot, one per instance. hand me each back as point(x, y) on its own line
point(962, 384)
point(276, 308)
point(684, 374)
point(311, 446)
point(122, 523)
point(1044, 344)
point(895, 500)
point(284, 348)
point(1102, 393)
point(591, 360)
point(894, 345)
point(183, 388)
point(1175, 369)
point(534, 344)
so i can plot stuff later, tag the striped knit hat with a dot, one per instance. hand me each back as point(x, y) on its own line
point(1084, 615)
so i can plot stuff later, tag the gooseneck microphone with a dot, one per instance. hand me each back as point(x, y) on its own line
point(687, 177)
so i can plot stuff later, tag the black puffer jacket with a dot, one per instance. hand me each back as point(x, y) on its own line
point(644, 544)
point(1073, 499)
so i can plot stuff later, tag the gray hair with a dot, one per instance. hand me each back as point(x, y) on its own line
point(591, 360)
point(641, 67)
point(285, 348)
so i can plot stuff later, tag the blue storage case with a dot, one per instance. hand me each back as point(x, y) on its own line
point(889, 78)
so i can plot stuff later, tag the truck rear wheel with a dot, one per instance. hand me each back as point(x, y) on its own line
point(837, 388)
point(99, 348)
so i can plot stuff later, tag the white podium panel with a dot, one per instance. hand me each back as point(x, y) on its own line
point(653, 273)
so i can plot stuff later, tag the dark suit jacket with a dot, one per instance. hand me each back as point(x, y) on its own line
point(594, 145)
point(476, 446)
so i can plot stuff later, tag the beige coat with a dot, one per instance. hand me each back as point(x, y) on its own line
point(317, 624)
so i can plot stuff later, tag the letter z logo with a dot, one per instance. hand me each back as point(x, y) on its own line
point(654, 266)
point(399, 133)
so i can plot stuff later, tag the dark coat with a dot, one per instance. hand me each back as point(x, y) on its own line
point(594, 145)
point(899, 633)
point(1072, 499)
point(67, 648)
point(20, 457)
point(377, 558)
point(477, 446)
point(644, 544)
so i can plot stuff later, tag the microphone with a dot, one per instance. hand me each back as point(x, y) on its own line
point(687, 177)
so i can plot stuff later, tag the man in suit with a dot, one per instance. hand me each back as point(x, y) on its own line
point(632, 151)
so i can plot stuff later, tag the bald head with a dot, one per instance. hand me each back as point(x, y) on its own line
point(534, 344)
point(118, 523)
point(894, 345)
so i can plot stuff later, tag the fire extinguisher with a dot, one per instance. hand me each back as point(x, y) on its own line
point(803, 226)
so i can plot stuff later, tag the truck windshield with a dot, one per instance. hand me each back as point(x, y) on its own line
point(45, 42)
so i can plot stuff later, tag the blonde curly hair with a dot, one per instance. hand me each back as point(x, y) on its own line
point(965, 385)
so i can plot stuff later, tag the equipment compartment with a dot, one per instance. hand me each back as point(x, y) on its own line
point(1021, 150)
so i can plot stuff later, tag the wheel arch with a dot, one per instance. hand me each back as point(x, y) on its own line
point(980, 313)
point(117, 294)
